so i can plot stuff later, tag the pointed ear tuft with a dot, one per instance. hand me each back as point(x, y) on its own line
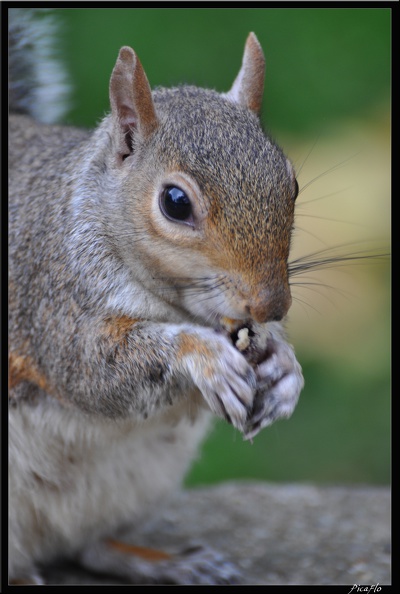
point(130, 95)
point(248, 87)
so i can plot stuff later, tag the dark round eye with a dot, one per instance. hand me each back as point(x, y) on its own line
point(175, 204)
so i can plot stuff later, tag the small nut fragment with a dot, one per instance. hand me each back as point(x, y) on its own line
point(243, 339)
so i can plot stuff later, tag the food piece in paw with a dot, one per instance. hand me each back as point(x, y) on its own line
point(243, 339)
point(238, 332)
point(250, 338)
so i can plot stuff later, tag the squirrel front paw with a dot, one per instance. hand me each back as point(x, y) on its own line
point(279, 383)
point(279, 375)
point(221, 373)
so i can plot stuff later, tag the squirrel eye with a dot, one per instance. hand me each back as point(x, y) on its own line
point(175, 205)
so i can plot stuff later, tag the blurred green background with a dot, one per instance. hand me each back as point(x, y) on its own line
point(327, 102)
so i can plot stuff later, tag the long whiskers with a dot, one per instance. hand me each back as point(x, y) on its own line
point(327, 258)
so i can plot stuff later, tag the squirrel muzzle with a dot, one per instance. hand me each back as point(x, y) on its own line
point(268, 307)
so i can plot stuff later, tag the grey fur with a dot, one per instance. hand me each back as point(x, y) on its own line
point(117, 357)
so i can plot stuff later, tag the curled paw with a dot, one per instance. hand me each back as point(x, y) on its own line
point(222, 374)
point(278, 374)
point(279, 383)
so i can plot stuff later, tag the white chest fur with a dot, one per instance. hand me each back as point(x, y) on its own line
point(73, 477)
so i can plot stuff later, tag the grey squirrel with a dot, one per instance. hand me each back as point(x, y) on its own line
point(148, 270)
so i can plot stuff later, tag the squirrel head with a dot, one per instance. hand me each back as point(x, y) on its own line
point(211, 196)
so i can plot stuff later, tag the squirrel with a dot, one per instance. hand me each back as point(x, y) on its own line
point(148, 288)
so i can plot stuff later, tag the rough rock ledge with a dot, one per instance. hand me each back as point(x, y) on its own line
point(276, 534)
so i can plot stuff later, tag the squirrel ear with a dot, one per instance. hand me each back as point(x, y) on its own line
point(248, 87)
point(130, 95)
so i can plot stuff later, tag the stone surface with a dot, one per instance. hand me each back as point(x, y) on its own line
point(276, 534)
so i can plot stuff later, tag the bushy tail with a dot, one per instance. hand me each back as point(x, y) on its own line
point(37, 79)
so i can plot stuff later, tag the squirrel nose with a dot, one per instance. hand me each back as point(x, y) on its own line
point(272, 309)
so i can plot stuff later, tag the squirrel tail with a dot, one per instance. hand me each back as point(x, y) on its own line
point(38, 84)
